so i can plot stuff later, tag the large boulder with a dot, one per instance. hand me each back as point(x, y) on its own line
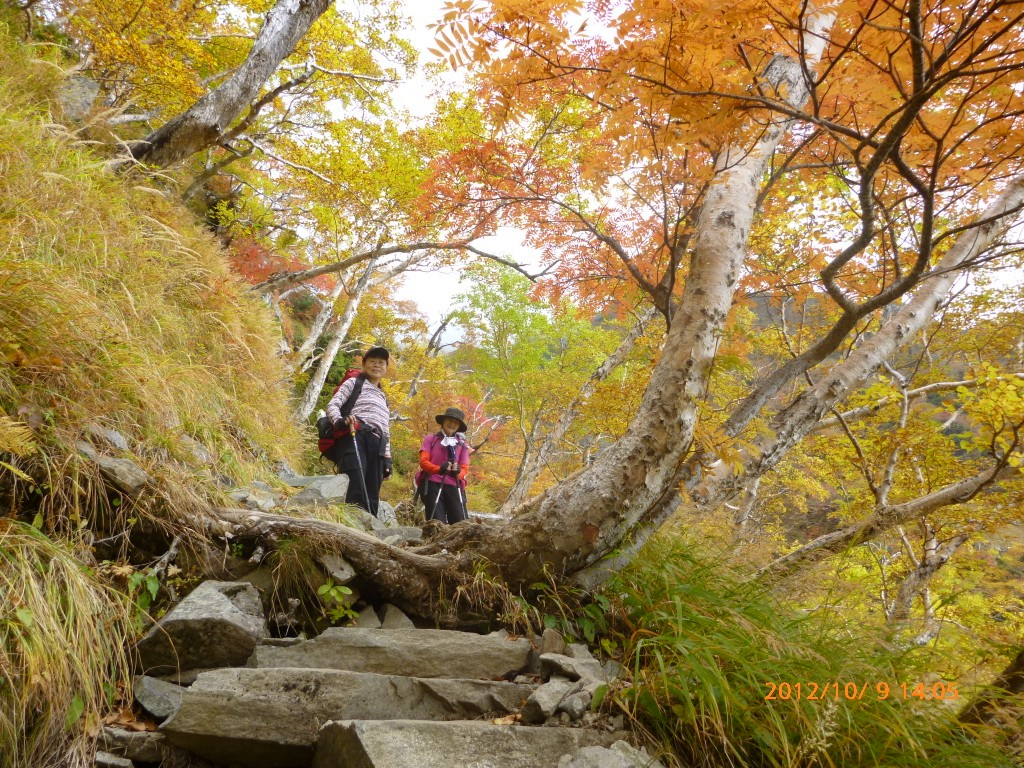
point(422, 652)
point(268, 718)
point(217, 625)
point(397, 744)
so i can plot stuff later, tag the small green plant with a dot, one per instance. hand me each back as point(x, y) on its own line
point(336, 608)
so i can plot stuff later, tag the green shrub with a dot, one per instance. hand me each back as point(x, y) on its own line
point(704, 648)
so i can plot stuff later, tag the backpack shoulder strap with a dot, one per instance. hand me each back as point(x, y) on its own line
point(350, 401)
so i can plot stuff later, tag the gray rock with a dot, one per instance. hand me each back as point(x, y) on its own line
point(217, 625)
point(107, 760)
point(199, 451)
point(552, 642)
point(158, 697)
point(411, 744)
point(268, 718)
point(639, 757)
point(254, 498)
point(289, 476)
point(111, 437)
point(544, 701)
point(363, 520)
point(578, 651)
point(392, 617)
point(367, 619)
point(589, 670)
point(77, 95)
point(263, 580)
point(425, 652)
point(400, 534)
point(323, 489)
point(621, 754)
point(337, 568)
point(576, 704)
point(386, 514)
point(123, 474)
point(140, 746)
point(595, 757)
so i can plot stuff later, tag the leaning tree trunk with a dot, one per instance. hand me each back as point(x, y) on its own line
point(202, 124)
point(587, 516)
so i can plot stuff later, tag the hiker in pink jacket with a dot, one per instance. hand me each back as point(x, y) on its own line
point(444, 459)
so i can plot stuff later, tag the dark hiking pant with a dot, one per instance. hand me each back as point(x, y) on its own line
point(449, 508)
point(372, 465)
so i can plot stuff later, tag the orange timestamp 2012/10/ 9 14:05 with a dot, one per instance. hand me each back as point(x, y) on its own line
point(855, 691)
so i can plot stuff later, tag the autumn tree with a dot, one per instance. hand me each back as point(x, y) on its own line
point(646, 149)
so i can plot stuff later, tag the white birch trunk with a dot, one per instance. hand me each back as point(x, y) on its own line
point(319, 377)
point(796, 421)
point(205, 121)
point(317, 330)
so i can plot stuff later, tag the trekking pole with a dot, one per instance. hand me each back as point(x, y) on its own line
point(359, 465)
point(462, 498)
point(440, 487)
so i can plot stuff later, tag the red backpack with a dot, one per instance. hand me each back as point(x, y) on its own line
point(328, 438)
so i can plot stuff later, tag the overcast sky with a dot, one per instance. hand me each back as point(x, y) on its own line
point(432, 291)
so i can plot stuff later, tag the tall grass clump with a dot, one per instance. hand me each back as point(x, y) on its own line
point(61, 655)
point(705, 647)
point(117, 309)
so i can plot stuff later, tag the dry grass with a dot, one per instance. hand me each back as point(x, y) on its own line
point(117, 309)
point(61, 654)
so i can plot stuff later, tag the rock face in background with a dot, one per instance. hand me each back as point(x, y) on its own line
point(77, 95)
point(217, 625)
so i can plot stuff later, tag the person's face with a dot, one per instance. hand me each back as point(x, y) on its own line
point(450, 426)
point(375, 368)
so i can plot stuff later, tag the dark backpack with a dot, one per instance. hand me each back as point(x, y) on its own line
point(329, 438)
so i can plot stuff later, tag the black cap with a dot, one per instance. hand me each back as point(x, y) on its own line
point(376, 352)
point(453, 413)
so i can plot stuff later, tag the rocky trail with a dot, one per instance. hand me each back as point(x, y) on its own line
point(381, 693)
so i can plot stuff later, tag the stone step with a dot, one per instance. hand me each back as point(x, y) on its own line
point(268, 718)
point(415, 652)
point(460, 744)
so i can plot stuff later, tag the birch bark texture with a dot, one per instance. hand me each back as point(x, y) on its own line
point(202, 124)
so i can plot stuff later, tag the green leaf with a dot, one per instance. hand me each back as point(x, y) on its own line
point(37, 521)
point(24, 616)
point(74, 711)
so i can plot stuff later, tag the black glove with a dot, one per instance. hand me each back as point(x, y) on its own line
point(387, 468)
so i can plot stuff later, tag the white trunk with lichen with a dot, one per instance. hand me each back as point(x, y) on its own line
point(340, 330)
point(202, 124)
